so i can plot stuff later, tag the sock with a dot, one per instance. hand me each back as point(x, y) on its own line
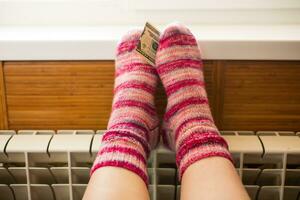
point(188, 126)
point(133, 125)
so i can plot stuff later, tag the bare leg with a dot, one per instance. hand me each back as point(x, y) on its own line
point(212, 178)
point(113, 183)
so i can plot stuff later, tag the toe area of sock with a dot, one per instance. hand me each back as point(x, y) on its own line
point(175, 28)
point(129, 41)
point(133, 34)
point(175, 38)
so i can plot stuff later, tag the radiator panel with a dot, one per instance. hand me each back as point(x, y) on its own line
point(37, 164)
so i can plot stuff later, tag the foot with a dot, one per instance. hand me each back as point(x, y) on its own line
point(132, 128)
point(188, 126)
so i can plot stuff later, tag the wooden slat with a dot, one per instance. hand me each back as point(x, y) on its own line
point(63, 95)
point(261, 95)
point(59, 95)
point(3, 110)
point(211, 84)
point(217, 92)
point(244, 95)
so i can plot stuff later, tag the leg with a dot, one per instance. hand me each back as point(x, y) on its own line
point(111, 183)
point(120, 168)
point(202, 155)
point(212, 179)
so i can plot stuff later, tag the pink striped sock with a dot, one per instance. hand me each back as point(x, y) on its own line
point(132, 129)
point(188, 126)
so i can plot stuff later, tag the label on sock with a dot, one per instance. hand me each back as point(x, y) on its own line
point(148, 43)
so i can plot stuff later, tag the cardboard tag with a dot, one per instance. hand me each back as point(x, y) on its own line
point(148, 43)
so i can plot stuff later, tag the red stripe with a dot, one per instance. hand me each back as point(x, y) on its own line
point(127, 46)
point(178, 39)
point(195, 119)
point(135, 67)
point(131, 125)
point(122, 164)
point(190, 101)
point(132, 103)
point(171, 89)
point(198, 135)
point(135, 84)
point(125, 150)
point(126, 134)
point(176, 64)
point(196, 142)
point(175, 33)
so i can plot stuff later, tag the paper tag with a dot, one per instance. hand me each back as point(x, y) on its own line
point(148, 43)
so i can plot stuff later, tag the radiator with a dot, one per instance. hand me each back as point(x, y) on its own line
point(54, 165)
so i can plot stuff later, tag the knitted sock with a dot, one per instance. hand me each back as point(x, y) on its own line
point(188, 126)
point(132, 129)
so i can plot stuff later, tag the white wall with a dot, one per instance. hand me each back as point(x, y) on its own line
point(136, 12)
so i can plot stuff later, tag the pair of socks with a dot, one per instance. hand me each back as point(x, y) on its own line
point(188, 126)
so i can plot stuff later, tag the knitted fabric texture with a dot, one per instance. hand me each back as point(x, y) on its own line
point(188, 126)
point(132, 129)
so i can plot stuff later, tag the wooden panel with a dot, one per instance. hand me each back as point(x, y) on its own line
point(59, 95)
point(63, 95)
point(244, 95)
point(214, 76)
point(3, 113)
point(261, 95)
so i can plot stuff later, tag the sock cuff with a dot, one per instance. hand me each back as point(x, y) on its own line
point(199, 152)
point(119, 154)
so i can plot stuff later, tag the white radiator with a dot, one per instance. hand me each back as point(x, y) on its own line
point(53, 165)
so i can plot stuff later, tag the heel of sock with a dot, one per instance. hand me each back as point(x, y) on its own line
point(154, 137)
point(167, 138)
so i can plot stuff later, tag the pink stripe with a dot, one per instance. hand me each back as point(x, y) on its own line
point(195, 142)
point(135, 67)
point(135, 84)
point(129, 103)
point(132, 125)
point(178, 39)
point(179, 63)
point(126, 134)
point(181, 84)
point(202, 156)
point(125, 150)
point(191, 54)
point(183, 104)
point(198, 135)
point(196, 119)
point(124, 116)
point(127, 46)
point(176, 33)
point(122, 164)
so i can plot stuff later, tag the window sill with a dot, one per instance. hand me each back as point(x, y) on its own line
point(233, 42)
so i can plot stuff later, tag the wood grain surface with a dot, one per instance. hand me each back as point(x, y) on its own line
point(244, 95)
point(261, 95)
point(3, 106)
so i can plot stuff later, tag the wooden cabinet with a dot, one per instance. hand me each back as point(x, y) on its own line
point(244, 95)
point(3, 113)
